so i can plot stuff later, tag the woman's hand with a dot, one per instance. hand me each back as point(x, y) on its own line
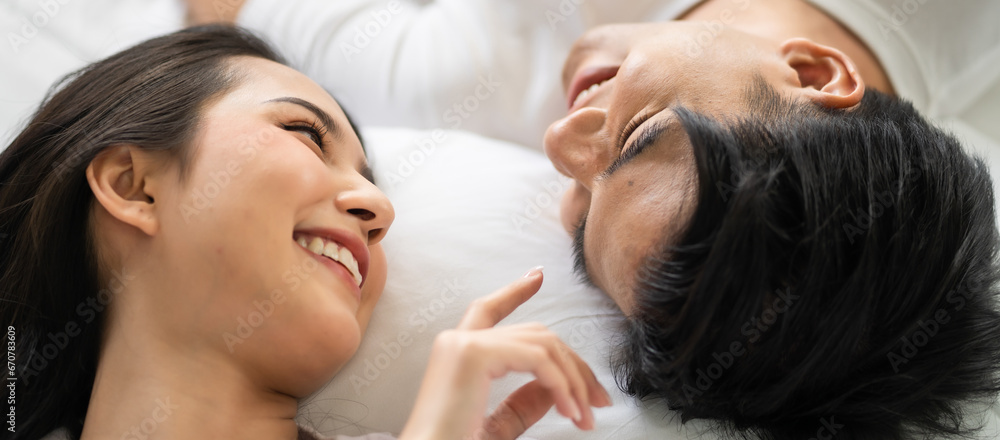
point(212, 11)
point(452, 400)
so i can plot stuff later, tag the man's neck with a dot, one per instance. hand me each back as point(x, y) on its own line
point(781, 20)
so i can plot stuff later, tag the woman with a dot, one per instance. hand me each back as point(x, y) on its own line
point(192, 243)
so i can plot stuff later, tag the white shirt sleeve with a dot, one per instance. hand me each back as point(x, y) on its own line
point(480, 65)
point(489, 66)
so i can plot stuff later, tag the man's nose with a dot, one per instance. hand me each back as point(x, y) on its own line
point(580, 145)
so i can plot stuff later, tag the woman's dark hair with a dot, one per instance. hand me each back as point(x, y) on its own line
point(838, 278)
point(150, 96)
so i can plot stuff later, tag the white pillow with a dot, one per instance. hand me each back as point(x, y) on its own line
point(472, 214)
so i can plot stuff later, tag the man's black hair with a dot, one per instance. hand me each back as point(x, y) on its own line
point(838, 278)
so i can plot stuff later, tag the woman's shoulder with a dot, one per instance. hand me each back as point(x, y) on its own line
point(309, 434)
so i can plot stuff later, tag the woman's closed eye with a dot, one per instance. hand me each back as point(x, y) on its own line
point(315, 132)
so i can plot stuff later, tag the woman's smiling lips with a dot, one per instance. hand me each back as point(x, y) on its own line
point(342, 252)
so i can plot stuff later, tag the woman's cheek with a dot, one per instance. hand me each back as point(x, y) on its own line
point(374, 284)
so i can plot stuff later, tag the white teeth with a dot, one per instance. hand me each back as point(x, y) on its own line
point(335, 252)
point(347, 258)
point(316, 245)
point(331, 250)
point(588, 91)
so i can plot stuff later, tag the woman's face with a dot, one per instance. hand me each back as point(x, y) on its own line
point(270, 240)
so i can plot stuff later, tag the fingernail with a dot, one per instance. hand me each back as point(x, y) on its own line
point(574, 411)
point(534, 271)
point(607, 397)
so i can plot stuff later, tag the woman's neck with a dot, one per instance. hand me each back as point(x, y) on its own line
point(147, 388)
point(781, 20)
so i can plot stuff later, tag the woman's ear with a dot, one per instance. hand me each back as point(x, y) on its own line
point(119, 179)
point(826, 75)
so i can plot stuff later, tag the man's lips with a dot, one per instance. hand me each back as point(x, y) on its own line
point(587, 77)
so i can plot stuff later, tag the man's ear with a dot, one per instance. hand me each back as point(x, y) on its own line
point(118, 178)
point(826, 75)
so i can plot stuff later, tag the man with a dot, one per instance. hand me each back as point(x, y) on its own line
point(800, 254)
point(794, 252)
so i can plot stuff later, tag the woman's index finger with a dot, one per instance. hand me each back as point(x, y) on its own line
point(489, 310)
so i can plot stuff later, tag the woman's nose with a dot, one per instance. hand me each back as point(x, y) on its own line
point(370, 206)
point(579, 145)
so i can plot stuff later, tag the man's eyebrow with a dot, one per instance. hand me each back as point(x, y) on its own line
point(647, 138)
point(324, 117)
point(579, 257)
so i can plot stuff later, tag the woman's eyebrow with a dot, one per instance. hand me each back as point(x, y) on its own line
point(324, 117)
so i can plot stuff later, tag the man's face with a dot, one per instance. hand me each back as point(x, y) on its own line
point(633, 166)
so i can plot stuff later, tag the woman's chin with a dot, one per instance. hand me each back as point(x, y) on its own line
point(302, 366)
point(309, 376)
